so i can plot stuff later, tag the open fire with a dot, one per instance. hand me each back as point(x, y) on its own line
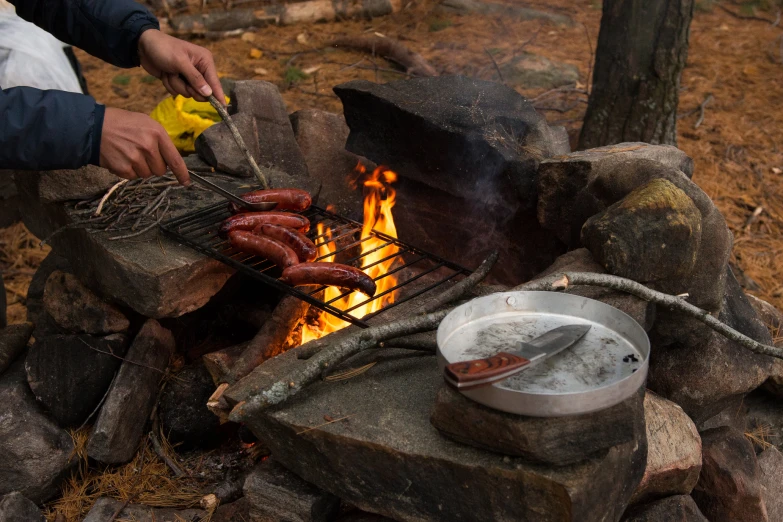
point(379, 199)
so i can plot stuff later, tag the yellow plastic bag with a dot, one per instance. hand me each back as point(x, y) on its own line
point(185, 119)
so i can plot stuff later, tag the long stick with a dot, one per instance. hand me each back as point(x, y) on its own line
point(240, 142)
point(296, 381)
point(564, 280)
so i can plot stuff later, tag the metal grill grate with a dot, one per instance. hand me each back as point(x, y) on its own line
point(199, 230)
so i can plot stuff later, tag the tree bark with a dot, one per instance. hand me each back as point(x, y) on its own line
point(642, 49)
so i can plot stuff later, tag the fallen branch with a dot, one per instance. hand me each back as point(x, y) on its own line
point(747, 17)
point(390, 49)
point(270, 339)
point(238, 138)
point(290, 385)
point(703, 106)
point(497, 67)
point(425, 342)
point(564, 280)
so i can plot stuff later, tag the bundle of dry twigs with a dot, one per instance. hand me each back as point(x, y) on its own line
point(134, 207)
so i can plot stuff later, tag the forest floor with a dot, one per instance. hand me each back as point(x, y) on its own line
point(738, 159)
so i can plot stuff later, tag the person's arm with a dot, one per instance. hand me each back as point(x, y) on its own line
point(107, 29)
point(47, 130)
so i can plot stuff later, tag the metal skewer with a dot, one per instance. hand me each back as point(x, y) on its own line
point(231, 197)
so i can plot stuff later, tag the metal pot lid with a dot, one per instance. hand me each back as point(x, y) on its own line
point(603, 369)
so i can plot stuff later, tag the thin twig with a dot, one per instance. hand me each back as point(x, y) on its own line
point(564, 280)
point(592, 57)
point(145, 229)
point(109, 193)
point(240, 142)
point(326, 424)
point(123, 359)
point(497, 67)
point(156, 445)
point(745, 17)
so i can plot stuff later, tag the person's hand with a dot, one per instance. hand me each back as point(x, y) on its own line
point(133, 145)
point(184, 68)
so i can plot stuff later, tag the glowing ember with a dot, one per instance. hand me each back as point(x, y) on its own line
point(379, 199)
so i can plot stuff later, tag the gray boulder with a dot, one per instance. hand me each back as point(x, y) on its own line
point(55, 186)
point(13, 341)
point(105, 508)
point(35, 453)
point(321, 136)
point(771, 465)
point(260, 114)
point(15, 507)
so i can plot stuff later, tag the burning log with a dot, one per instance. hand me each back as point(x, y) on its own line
point(392, 50)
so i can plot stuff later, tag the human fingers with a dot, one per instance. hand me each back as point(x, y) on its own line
point(171, 156)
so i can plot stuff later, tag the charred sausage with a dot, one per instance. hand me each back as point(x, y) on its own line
point(329, 274)
point(286, 199)
point(304, 248)
point(251, 220)
point(264, 246)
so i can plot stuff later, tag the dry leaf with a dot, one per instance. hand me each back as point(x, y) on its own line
point(248, 37)
point(723, 27)
point(379, 35)
point(302, 38)
point(256, 53)
point(311, 70)
point(260, 71)
point(776, 170)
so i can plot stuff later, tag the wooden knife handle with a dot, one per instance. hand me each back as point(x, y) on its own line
point(482, 372)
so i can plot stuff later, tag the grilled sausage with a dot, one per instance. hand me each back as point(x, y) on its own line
point(286, 199)
point(251, 220)
point(264, 246)
point(304, 248)
point(329, 274)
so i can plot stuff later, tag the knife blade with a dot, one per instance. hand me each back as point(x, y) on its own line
point(257, 207)
point(466, 375)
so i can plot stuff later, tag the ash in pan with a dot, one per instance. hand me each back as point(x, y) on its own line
point(601, 357)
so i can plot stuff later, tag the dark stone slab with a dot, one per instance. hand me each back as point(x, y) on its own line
point(652, 236)
point(467, 152)
point(260, 114)
point(237, 511)
point(120, 425)
point(104, 508)
point(321, 136)
point(363, 516)
point(729, 488)
point(66, 185)
point(558, 441)
point(15, 507)
point(152, 275)
point(771, 465)
point(76, 309)
point(35, 453)
point(69, 374)
point(45, 325)
point(274, 493)
point(184, 416)
point(680, 508)
point(387, 458)
point(13, 341)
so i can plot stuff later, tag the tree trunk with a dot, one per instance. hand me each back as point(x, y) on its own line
point(642, 48)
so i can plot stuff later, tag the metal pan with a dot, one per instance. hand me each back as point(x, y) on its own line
point(604, 368)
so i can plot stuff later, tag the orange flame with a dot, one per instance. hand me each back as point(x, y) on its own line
point(375, 263)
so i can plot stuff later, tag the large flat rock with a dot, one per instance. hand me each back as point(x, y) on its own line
point(386, 457)
point(151, 274)
point(467, 152)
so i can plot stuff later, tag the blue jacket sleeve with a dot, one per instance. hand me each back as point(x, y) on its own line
point(107, 29)
point(47, 130)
